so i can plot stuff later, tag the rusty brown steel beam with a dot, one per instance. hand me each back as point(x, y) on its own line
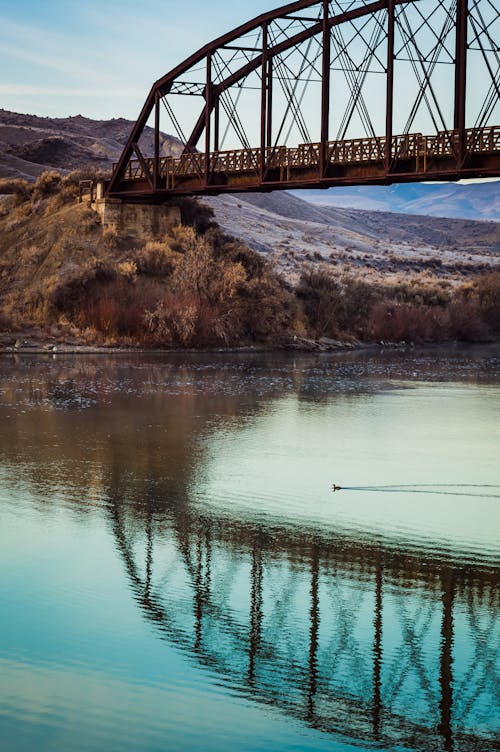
point(284, 46)
point(320, 26)
point(133, 138)
point(325, 87)
point(461, 73)
point(208, 114)
point(144, 165)
point(269, 185)
point(352, 161)
point(264, 100)
point(389, 105)
point(156, 164)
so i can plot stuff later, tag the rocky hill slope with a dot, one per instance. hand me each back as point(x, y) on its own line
point(292, 231)
point(30, 144)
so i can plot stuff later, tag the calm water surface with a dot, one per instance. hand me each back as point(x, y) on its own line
point(177, 574)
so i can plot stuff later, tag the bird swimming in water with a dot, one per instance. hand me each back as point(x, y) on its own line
point(336, 488)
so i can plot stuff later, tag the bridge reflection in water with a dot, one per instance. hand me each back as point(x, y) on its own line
point(353, 638)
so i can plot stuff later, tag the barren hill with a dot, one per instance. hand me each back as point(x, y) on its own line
point(291, 231)
point(30, 144)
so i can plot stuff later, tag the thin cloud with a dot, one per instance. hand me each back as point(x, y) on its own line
point(22, 90)
point(49, 50)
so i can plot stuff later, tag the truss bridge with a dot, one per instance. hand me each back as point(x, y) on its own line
point(324, 93)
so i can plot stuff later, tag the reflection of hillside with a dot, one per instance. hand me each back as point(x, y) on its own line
point(76, 420)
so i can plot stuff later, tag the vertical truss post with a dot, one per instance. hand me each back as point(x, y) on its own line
point(446, 663)
point(217, 125)
point(461, 76)
point(389, 103)
point(377, 649)
point(269, 137)
point(208, 117)
point(325, 90)
point(156, 161)
point(264, 102)
point(313, 633)
point(256, 610)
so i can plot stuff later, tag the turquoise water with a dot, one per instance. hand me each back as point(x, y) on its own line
point(177, 573)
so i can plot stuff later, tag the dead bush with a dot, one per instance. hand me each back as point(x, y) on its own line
point(157, 260)
point(115, 309)
point(321, 296)
point(20, 190)
point(487, 289)
point(110, 237)
point(47, 184)
point(466, 322)
point(5, 322)
point(397, 322)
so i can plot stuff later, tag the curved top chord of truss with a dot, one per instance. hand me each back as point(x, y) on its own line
point(410, 90)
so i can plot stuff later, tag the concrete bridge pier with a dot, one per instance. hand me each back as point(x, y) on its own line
point(139, 219)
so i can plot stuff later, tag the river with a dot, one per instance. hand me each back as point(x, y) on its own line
point(178, 573)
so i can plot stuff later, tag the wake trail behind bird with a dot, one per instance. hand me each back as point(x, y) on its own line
point(434, 489)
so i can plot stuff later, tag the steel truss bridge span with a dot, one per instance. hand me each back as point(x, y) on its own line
point(326, 92)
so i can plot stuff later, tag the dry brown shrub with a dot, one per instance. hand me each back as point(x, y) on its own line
point(174, 320)
point(267, 311)
point(5, 322)
point(321, 296)
point(116, 308)
point(88, 172)
point(47, 184)
point(157, 260)
point(359, 297)
point(88, 220)
point(487, 289)
point(127, 269)
point(110, 237)
point(397, 322)
point(20, 190)
point(466, 322)
point(69, 294)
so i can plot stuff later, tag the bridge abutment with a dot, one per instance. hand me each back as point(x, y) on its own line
point(139, 220)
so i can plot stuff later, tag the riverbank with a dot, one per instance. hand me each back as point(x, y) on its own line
point(65, 278)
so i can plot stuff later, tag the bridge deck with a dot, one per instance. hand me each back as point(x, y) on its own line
point(411, 157)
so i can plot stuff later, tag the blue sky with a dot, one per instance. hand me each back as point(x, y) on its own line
point(69, 57)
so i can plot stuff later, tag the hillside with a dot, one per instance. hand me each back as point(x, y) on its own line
point(292, 231)
point(65, 278)
point(271, 269)
point(30, 144)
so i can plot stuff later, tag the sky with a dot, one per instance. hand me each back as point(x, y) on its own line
point(99, 58)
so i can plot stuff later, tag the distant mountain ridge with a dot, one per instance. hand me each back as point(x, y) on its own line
point(478, 201)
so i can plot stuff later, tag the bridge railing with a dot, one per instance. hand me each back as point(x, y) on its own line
point(405, 147)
